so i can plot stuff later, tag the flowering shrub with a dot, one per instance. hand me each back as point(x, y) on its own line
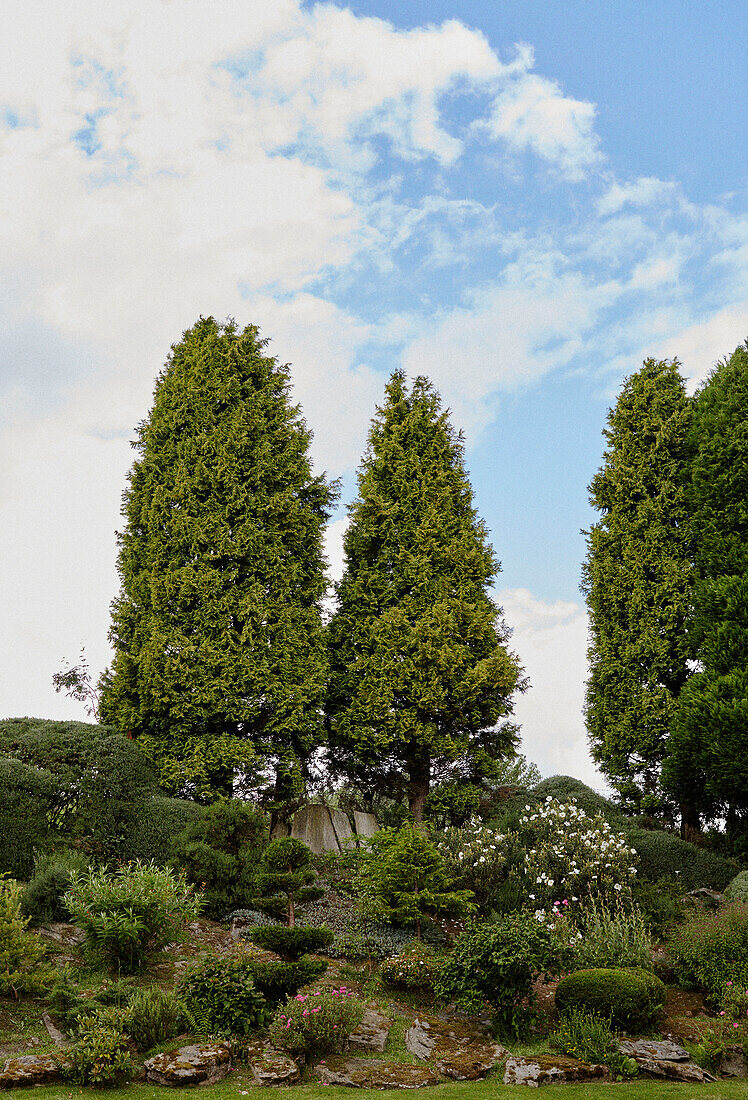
point(735, 1001)
point(131, 913)
point(571, 854)
point(712, 949)
point(475, 859)
point(415, 968)
point(310, 1024)
point(589, 1038)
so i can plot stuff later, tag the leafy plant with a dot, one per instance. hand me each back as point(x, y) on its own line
point(589, 1038)
point(42, 900)
point(99, 1056)
point(22, 955)
point(277, 979)
point(153, 1016)
point(416, 968)
point(220, 994)
point(70, 1003)
point(630, 999)
point(286, 879)
point(737, 889)
point(712, 949)
point(292, 943)
point(131, 913)
point(316, 1023)
point(612, 937)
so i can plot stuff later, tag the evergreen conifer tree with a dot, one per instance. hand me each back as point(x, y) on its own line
point(708, 760)
point(219, 657)
point(638, 581)
point(420, 674)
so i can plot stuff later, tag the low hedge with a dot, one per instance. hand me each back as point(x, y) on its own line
point(631, 998)
point(665, 856)
point(157, 820)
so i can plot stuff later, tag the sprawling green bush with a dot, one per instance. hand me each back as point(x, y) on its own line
point(27, 795)
point(221, 997)
point(71, 1004)
point(631, 999)
point(496, 961)
point(665, 856)
point(316, 1023)
point(157, 822)
point(22, 965)
point(220, 851)
point(612, 938)
point(42, 900)
point(561, 788)
point(152, 1016)
point(415, 969)
point(277, 979)
point(99, 1056)
point(131, 913)
point(292, 943)
point(737, 889)
point(711, 949)
point(590, 1039)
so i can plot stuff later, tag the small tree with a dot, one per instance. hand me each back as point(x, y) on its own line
point(286, 879)
point(404, 879)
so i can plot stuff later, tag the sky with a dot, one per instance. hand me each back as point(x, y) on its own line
point(521, 200)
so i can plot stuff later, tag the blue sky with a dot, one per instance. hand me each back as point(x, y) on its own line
point(520, 200)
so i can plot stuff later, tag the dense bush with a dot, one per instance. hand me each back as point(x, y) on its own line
point(737, 889)
point(278, 980)
point(220, 851)
point(711, 949)
point(22, 965)
point(152, 1016)
point(316, 1023)
point(42, 899)
point(665, 856)
point(157, 821)
point(131, 913)
point(561, 788)
point(292, 943)
point(71, 1004)
point(496, 961)
point(590, 1039)
point(475, 859)
point(221, 997)
point(415, 969)
point(99, 1056)
point(26, 799)
point(631, 999)
point(662, 905)
point(612, 938)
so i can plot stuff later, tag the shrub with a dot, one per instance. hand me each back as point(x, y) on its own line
point(286, 879)
point(590, 1039)
point(416, 968)
point(277, 980)
point(157, 821)
point(130, 914)
point(292, 943)
point(497, 961)
point(42, 900)
point(612, 938)
point(99, 1056)
point(737, 889)
point(568, 853)
point(631, 999)
point(662, 905)
point(665, 856)
point(712, 949)
point(22, 966)
point(71, 1004)
point(316, 1023)
point(152, 1016)
point(735, 1000)
point(475, 859)
point(26, 798)
point(221, 997)
point(220, 851)
point(404, 879)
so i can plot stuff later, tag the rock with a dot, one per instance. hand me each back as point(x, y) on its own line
point(58, 1037)
point(734, 1062)
point(341, 824)
point(458, 1048)
point(58, 932)
point(371, 1034)
point(32, 1069)
point(280, 829)
point(549, 1069)
point(199, 1064)
point(269, 1066)
point(375, 1073)
point(313, 825)
point(711, 898)
point(663, 1059)
point(364, 824)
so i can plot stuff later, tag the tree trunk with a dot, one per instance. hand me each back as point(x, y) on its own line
point(419, 774)
point(690, 821)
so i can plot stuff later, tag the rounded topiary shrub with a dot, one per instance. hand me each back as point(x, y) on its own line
point(630, 998)
point(292, 943)
point(737, 890)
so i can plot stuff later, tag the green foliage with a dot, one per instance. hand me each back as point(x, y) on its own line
point(415, 969)
point(712, 949)
point(496, 961)
point(316, 1023)
point(708, 755)
point(22, 966)
point(153, 1016)
point(475, 859)
point(631, 999)
point(420, 675)
point(565, 788)
point(158, 820)
point(403, 879)
point(279, 979)
point(664, 856)
point(99, 1056)
point(612, 938)
point(737, 888)
point(220, 851)
point(638, 580)
point(42, 899)
point(569, 854)
point(661, 904)
point(26, 798)
point(219, 657)
point(285, 879)
point(98, 778)
point(292, 943)
point(71, 1004)
point(131, 913)
point(589, 1038)
point(452, 803)
point(220, 994)
point(735, 1000)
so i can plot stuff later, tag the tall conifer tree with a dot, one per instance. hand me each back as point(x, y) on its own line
point(420, 673)
point(638, 581)
point(709, 751)
point(219, 658)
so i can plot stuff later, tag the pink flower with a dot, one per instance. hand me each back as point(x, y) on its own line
point(301, 996)
point(729, 983)
point(722, 1013)
point(335, 1027)
point(288, 1024)
point(735, 1025)
point(566, 901)
point(306, 1012)
point(315, 1010)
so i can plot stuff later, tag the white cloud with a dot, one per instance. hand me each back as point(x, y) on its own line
point(700, 346)
point(644, 191)
point(551, 642)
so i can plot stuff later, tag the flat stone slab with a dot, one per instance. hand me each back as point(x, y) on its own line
point(549, 1069)
point(663, 1059)
point(313, 825)
point(198, 1064)
point(458, 1048)
point(375, 1073)
point(365, 824)
point(371, 1034)
point(269, 1066)
point(734, 1062)
point(31, 1069)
